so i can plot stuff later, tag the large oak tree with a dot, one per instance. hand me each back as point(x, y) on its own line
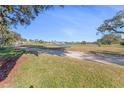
point(114, 24)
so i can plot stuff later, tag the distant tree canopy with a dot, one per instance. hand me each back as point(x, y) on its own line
point(112, 38)
point(9, 37)
point(114, 24)
point(84, 42)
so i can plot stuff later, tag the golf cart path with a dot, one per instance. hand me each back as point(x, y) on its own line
point(102, 58)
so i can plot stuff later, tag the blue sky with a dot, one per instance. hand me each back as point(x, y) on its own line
point(71, 23)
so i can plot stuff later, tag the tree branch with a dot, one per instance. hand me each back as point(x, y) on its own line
point(121, 32)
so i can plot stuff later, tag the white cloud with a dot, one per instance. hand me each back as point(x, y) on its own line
point(69, 32)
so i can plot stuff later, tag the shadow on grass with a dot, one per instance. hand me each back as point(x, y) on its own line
point(8, 61)
point(110, 57)
point(107, 52)
point(36, 50)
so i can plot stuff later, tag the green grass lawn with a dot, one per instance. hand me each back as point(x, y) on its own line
point(9, 52)
point(41, 45)
point(55, 71)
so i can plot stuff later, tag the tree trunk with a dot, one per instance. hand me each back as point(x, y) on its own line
point(1, 37)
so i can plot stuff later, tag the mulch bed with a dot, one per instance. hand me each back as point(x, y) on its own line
point(8, 68)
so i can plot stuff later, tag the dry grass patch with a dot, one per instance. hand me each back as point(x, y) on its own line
point(107, 49)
